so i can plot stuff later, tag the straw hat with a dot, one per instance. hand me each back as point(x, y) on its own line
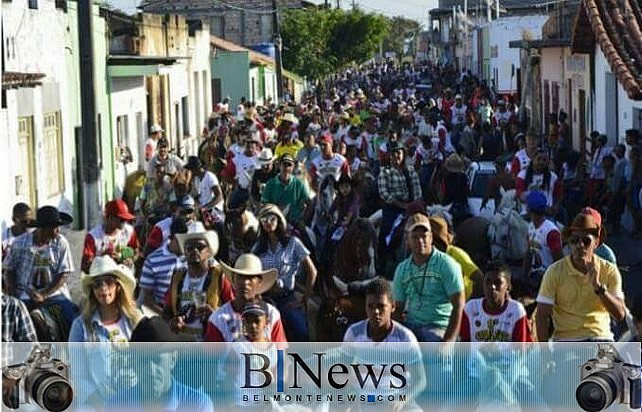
point(272, 209)
point(289, 117)
point(249, 264)
point(265, 157)
point(199, 233)
point(440, 231)
point(105, 265)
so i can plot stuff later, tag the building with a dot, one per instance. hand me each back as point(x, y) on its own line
point(610, 33)
point(240, 72)
point(244, 22)
point(559, 79)
point(159, 73)
point(41, 114)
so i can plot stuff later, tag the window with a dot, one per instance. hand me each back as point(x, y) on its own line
point(217, 26)
point(267, 31)
point(53, 150)
point(25, 180)
point(33, 4)
point(122, 131)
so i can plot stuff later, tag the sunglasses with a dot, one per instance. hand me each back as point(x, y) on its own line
point(107, 280)
point(195, 246)
point(287, 164)
point(269, 219)
point(585, 240)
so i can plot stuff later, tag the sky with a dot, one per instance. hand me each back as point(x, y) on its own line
point(412, 9)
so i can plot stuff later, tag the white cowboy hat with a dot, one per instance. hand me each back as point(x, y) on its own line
point(344, 116)
point(156, 128)
point(265, 157)
point(249, 264)
point(272, 209)
point(105, 265)
point(200, 233)
point(289, 117)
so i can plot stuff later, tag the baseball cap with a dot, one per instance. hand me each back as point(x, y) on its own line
point(327, 138)
point(597, 217)
point(256, 309)
point(187, 202)
point(118, 208)
point(287, 158)
point(418, 220)
point(536, 202)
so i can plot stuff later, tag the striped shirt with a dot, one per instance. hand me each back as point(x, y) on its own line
point(157, 272)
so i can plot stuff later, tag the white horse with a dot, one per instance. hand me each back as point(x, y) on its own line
point(508, 231)
point(322, 220)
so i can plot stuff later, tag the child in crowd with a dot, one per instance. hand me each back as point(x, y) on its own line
point(495, 317)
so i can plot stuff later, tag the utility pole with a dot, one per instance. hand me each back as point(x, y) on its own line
point(88, 189)
point(277, 52)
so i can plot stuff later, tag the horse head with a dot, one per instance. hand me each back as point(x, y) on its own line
point(508, 234)
point(508, 200)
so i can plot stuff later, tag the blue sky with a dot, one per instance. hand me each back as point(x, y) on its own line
point(414, 9)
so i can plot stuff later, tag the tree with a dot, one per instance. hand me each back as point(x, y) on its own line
point(399, 28)
point(318, 42)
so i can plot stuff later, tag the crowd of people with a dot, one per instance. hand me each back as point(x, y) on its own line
point(288, 210)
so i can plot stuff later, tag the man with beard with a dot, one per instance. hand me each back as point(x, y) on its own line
point(581, 292)
point(195, 293)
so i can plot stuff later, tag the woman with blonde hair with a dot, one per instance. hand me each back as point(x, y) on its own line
point(109, 312)
point(109, 315)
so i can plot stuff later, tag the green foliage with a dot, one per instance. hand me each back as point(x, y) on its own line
point(319, 42)
point(399, 28)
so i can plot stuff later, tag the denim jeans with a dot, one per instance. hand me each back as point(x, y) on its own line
point(428, 333)
point(295, 320)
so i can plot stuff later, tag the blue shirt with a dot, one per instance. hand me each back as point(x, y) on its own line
point(427, 289)
point(181, 398)
point(286, 260)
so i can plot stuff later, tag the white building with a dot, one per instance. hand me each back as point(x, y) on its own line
point(504, 62)
point(38, 115)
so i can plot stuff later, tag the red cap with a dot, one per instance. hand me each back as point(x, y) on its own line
point(327, 138)
point(594, 214)
point(118, 208)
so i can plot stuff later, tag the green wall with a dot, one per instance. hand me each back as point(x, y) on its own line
point(233, 68)
point(100, 43)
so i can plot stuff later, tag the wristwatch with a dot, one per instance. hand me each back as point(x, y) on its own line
point(600, 290)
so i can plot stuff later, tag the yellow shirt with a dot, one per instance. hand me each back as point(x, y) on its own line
point(578, 313)
point(468, 267)
point(292, 149)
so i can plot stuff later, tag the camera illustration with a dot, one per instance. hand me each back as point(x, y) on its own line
point(41, 379)
point(608, 379)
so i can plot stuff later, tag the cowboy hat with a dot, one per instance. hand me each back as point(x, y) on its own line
point(344, 116)
point(193, 163)
point(440, 231)
point(199, 232)
point(272, 209)
point(289, 117)
point(154, 329)
point(454, 163)
point(105, 265)
point(265, 157)
point(49, 216)
point(249, 264)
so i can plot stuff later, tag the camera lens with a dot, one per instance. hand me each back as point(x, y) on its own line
point(596, 392)
point(52, 392)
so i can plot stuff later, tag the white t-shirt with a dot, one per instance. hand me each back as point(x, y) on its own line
point(193, 294)
point(358, 332)
point(245, 166)
point(542, 257)
point(204, 186)
point(523, 159)
point(536, 184)
point(117, 330)
point(328, 167)
point(459, 114)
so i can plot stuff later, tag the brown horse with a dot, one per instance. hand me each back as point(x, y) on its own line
point(355, 263)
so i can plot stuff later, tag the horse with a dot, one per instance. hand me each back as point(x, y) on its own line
point(241, 230)
point(354, 265)
point(322, 220)
point(508, 231)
